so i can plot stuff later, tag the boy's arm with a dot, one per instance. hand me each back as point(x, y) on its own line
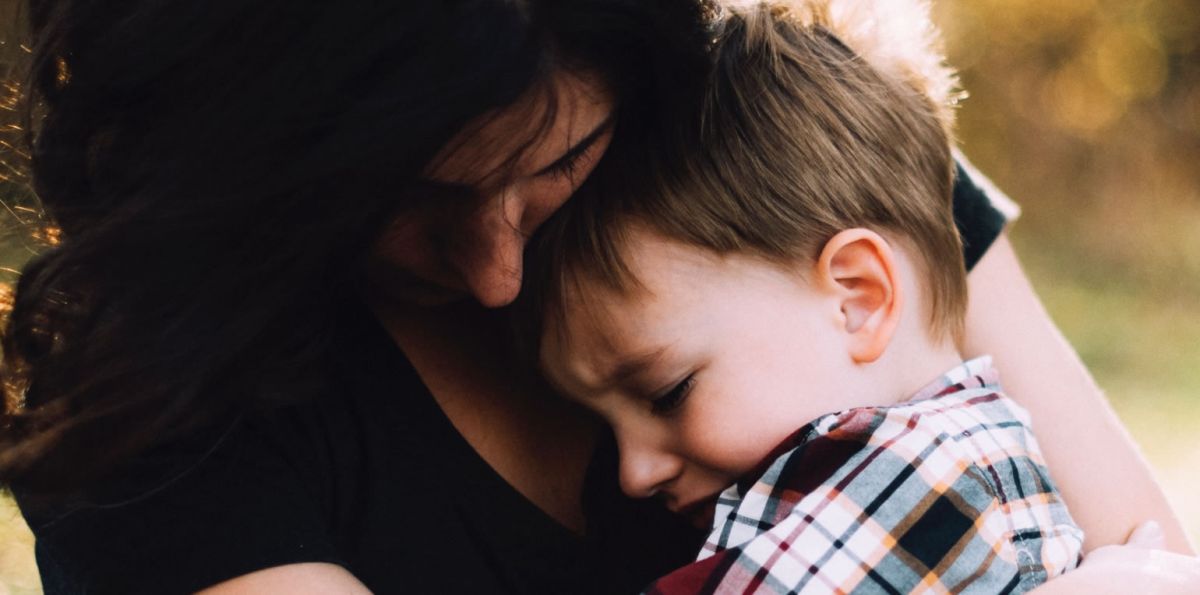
point(1084, 444)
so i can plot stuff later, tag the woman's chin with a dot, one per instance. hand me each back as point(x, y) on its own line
point(402, 288)
point(432, 296)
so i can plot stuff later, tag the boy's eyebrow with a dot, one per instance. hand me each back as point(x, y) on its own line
point(631, 366)
point(580, 147)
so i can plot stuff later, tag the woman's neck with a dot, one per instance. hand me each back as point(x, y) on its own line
point(539, 443)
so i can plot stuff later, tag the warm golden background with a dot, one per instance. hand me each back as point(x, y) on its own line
point(1087, 112)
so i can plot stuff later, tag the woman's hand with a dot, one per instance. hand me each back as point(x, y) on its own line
point(1138, 566)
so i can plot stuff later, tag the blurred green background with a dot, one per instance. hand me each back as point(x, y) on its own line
point(1087, 112)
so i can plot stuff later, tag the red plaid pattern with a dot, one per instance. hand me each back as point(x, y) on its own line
point(944, 493)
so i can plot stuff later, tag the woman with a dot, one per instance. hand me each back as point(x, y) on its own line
point(251, 363)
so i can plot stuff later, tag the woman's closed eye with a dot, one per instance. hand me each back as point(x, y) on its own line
point(673, 398)
point(567, 165)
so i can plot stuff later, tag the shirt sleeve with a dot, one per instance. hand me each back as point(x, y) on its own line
point(981, 210)
point(907, 510)
point(184, 517)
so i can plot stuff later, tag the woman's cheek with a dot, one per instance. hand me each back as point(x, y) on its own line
point(545, 197)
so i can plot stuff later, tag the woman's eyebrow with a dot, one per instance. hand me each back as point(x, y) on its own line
point(437, 188)
point(583, 145)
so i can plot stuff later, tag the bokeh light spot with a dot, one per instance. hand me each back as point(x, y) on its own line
point(1129, 61)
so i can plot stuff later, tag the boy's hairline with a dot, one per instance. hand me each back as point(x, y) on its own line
point(627, 284)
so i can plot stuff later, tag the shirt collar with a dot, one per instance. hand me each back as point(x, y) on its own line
point(974, 373)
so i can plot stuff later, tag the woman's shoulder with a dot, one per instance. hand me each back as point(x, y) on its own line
point(981, 210)
point(268, 488)
point(179, 517)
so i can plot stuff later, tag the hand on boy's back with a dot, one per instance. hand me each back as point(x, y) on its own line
point(1141, 565)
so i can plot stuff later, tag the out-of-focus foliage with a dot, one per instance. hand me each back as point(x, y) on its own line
point(19, 218)
point(20, 231)
point(1087, 112)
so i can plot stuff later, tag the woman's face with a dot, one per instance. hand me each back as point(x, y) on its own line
point(456, 246)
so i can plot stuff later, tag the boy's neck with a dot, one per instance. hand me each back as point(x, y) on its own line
point(911, 363)
point(914, 357)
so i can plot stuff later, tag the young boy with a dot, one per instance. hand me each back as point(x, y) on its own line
point(760, 315)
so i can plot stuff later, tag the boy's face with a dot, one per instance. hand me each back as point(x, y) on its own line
point(702, 373)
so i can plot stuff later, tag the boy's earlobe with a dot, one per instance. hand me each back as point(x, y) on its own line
point(861, 268)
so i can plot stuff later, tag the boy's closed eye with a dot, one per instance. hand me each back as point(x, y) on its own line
point(670, 401)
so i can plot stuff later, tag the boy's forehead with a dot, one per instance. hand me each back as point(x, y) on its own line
point(662, 273)
point(661, 266)
point(577, 344)
point(592, 319)
point(598, 324)
point(665, 277)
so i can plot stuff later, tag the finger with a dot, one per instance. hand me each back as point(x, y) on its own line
point(1148, 535)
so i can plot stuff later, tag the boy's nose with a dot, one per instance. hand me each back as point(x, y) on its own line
point(646, 471)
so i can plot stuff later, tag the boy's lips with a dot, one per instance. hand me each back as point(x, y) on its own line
point(699, 512)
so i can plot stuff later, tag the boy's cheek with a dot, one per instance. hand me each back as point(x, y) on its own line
point(726, 453)
point(731, 440)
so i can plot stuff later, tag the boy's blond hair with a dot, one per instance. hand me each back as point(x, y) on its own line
point(896, 37)
point(817, 116)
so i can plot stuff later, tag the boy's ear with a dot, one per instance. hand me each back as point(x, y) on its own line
point(859, 266)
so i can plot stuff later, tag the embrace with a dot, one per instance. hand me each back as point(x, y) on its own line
point(541, 296)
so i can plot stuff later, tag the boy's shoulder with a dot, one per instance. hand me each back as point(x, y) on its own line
point(964, 414)
point(962, 417)
point(949, 486)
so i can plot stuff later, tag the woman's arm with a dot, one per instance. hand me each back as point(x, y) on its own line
point(1104, 479)
point(293, 578)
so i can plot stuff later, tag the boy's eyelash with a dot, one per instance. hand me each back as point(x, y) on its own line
point(673, 398)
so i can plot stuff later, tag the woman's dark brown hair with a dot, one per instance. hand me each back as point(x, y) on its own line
point(217, 171)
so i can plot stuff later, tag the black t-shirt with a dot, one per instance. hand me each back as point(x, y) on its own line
point(374, 478)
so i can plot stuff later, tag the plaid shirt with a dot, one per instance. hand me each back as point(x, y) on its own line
point(946, 492)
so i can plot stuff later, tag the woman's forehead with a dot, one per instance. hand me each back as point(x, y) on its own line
point(527, 136)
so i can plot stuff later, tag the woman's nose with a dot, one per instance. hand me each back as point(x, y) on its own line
point(646, 470)
point(490, 261)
